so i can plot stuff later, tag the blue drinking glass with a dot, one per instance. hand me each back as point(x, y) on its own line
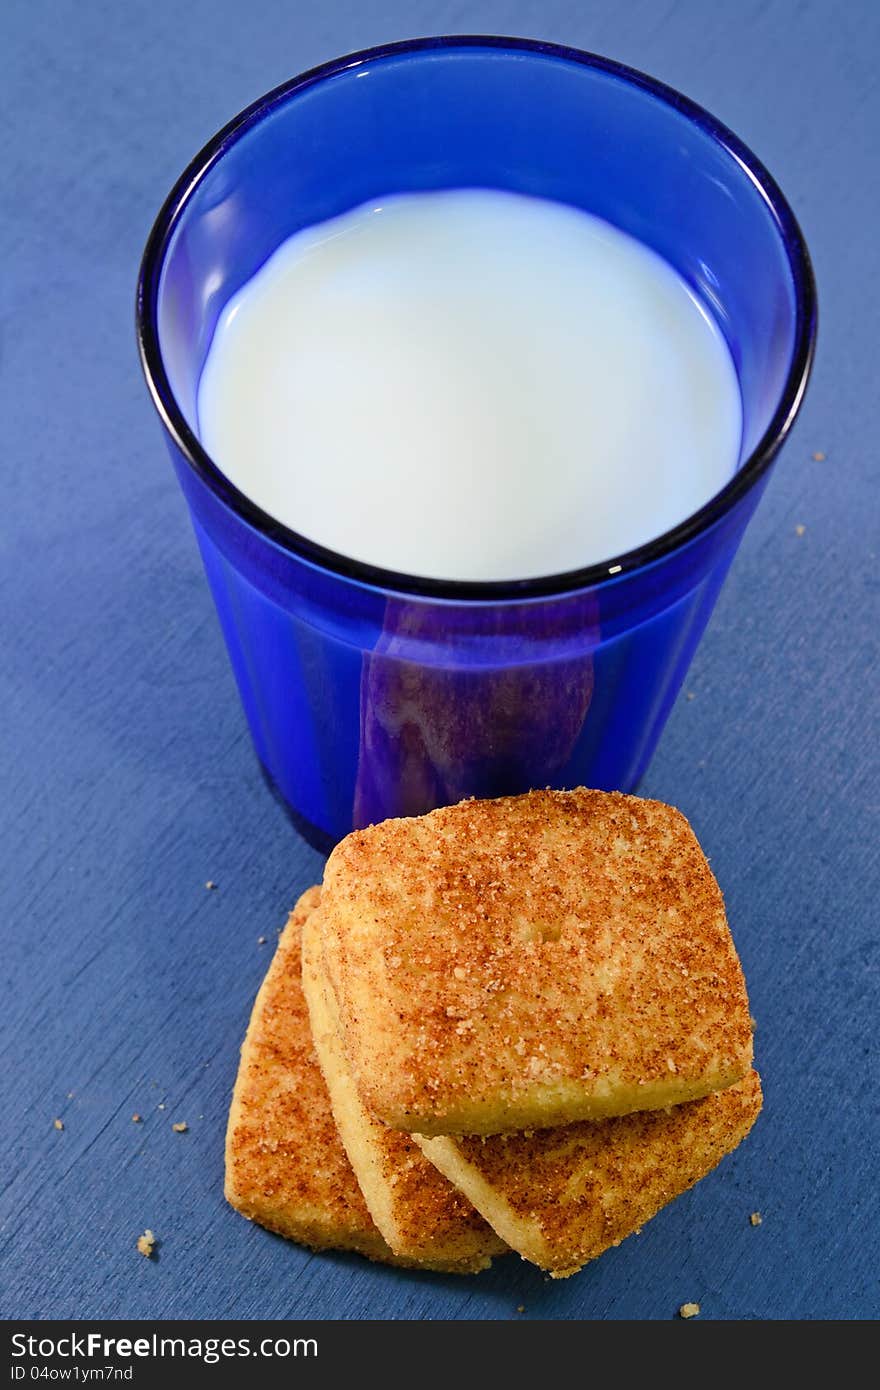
point(370, 693)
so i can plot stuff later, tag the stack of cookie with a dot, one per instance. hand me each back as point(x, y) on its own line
point(506, 1025)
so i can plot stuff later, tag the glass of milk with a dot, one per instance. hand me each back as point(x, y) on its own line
point(473, 356)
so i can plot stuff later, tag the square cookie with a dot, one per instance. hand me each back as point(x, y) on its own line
point(560, 1197)
point(530, 962)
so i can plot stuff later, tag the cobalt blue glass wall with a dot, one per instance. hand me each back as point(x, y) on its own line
point(371, 694)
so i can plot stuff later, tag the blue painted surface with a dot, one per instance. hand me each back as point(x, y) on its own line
point(129, 778)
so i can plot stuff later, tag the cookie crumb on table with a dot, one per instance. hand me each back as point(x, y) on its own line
point(800, 530)
point(59, 1124)
point(210, 884)
point(146, 1243)
point(261, 940)
point(521, 1308)
point(136, 1118)
point(181, 1127)
point(689, 1310)
point(819, 456)
point(756, 1218)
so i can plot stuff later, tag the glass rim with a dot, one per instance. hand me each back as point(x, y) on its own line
point(362, 572)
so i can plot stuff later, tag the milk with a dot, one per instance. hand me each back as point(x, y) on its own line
point(471, 385)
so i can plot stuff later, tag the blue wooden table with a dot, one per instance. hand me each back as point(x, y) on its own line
point(128, 780)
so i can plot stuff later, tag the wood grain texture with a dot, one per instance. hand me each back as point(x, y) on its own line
point(128, 779)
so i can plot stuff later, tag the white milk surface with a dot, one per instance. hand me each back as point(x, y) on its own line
point(471, 385)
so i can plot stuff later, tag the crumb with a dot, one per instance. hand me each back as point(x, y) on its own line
point(181, 1127)
point(521, 1308)
point(800, 530)
point(689, 1310)
point(161, 1105)
point(261, 940)
point(146, 1243)
point(136, 1119)
point(756, 1218)
point(754, 1022)
point(691, 695)
point(70, 1095)
point(59, 1124)
point(819, 456)
point(210, 885)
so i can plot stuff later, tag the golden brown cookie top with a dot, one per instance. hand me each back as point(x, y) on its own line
point(532, 961)
point(563, 1196)
point(285, 1165)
